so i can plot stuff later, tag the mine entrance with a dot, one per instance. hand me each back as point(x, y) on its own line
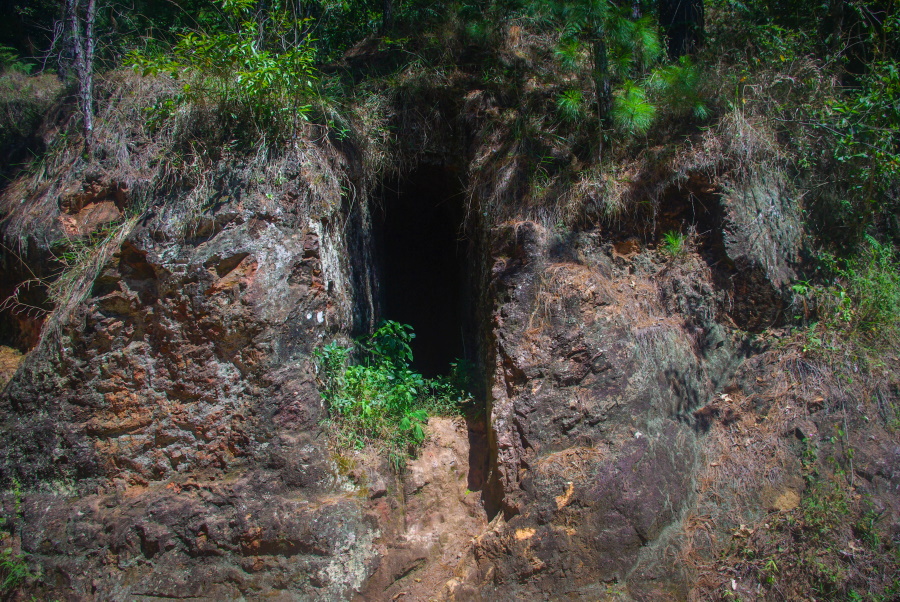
point(23, 307)
point(422, 254)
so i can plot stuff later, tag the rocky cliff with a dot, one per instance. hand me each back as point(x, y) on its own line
point(163, 436)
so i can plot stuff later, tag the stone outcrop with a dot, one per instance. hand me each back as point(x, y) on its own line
point(600, 362)
point(165, 439)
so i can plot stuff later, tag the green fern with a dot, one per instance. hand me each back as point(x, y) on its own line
point(632, 112)
point(674, 244)
point(10, 61)
point(13, 571)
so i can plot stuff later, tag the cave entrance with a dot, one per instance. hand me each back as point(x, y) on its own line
point(23, 307)
point(424, 262)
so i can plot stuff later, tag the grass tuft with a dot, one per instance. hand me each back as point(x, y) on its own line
point(674, 244)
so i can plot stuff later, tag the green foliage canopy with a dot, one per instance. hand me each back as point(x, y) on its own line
point(267, 72)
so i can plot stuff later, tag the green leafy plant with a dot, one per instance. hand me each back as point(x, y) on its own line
point(678, 86)
point(13, 567)
point(864, 296)
point(10, 61)
point(864, 126)
point(674, 244)
point(616, 45)
point(632, 112)
point(267, 73)
point(570, 54)
point(636, 44)
point(380, 400)
point(13, 570)
point(570, 105)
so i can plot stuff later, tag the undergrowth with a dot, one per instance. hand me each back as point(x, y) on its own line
point(264, 77)
point(864, 296)
point(857, 304)
point(380, 400)
point(14, 571)
point(833, 545)
point(789, 505)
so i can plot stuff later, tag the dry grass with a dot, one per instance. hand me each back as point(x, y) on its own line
point(769, 521)
point(178, 167)
point(125, 151)
point(25, 102)
point(577, 464)
point(10, 360)
point(647, 305)
point(567, 284)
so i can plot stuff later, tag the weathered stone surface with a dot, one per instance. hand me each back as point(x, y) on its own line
point(427, 544)
point(166, 442)
point(763, 238)
point(211, 541)
point(598, 372)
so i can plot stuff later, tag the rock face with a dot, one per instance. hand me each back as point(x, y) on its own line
point(763, 238)
point(600, 361)
point(168, 437)
point(178, 405)
point(165, 439)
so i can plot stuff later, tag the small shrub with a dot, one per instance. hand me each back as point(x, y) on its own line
point(570, 54)
point(632, 112)
point(381, 400)
point(272, 83)
point(674, 244)
point(864, 296)
point(570, 105)
point(678, 87)
point(865, 125)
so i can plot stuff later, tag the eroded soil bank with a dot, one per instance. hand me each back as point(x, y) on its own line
point(163, 437)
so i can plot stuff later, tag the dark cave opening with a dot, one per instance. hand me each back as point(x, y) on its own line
point(23, 307)
point(424, 261)
point(431, 274)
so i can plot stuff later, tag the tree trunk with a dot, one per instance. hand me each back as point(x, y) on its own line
point(602, 88)
point(682, 21)
point(82, 41)
point(387, 16)
point(601, 77)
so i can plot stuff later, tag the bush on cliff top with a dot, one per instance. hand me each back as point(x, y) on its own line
point(261, 74)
